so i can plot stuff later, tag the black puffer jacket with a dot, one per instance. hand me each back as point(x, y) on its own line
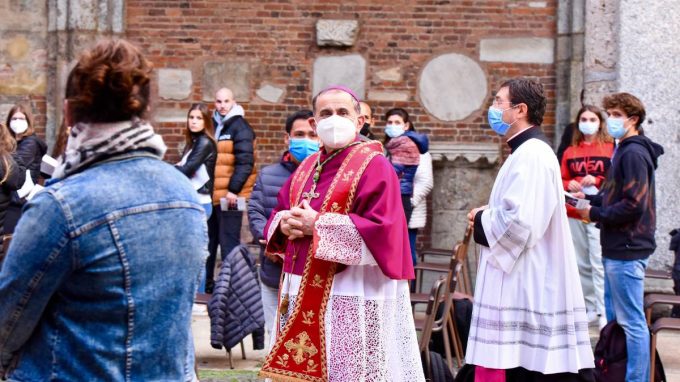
point(30, 150)
point(14, 181)
point(203, 151)
point(262, 202)
point(235, 307)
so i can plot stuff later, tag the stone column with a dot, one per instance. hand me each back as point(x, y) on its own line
point(72, 26)
point(648, 68)
point(569, 62)
point(600, 75)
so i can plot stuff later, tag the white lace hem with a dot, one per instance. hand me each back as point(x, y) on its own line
point(370, 337)
point(340, 241)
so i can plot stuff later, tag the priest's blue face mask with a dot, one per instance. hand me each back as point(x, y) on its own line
point(495, 116)
point(301, 148)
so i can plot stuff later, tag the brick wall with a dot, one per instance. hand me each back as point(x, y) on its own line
point(277, 39)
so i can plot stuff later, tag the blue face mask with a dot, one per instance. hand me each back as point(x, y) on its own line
point(394, 131)
point(616, 128)
point(301, 148)
point(495, 116)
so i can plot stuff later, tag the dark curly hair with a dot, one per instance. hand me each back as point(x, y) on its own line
point(530, 93)
point(110, 83)
point(629, 104)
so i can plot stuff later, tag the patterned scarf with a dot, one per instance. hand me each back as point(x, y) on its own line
point(91, 143)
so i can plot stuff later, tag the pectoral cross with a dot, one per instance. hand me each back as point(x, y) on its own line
point(311, 194)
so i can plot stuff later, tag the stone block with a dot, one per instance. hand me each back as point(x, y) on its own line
point(234, 75)
point(452, 86)
point(349, 70)
point(538, 4)
point(174, 83)
point(459, 186)
point(336, 32)
point(270, 93)
point(392, 74)
point(171, 114)
point(388, 95)
point(518, 49)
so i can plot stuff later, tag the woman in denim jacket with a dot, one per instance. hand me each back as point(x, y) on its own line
point(100, 277)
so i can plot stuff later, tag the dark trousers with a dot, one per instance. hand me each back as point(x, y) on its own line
point(408, 207)
point(224, 229)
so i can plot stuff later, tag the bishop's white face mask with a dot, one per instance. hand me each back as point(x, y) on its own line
point(336, 131)
point(18, 125)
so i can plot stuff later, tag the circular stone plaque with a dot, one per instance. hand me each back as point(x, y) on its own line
point(452, 86)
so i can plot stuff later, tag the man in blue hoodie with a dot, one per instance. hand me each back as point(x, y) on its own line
point(625, 209)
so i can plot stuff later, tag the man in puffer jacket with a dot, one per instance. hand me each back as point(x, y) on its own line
point(302, 142)
point(234, 176)
point(235, 308)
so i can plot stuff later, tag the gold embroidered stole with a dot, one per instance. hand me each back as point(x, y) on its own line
point(299, 353)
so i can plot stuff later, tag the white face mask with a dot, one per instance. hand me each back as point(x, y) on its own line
point(18, 125)
point(336, 131)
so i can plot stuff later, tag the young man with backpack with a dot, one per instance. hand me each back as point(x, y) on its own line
point(625, 209)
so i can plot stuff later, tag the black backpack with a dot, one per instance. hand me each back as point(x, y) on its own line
point(440, 371)
point(611, 356)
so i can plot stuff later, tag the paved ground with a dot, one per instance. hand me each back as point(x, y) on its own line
point(213, 364)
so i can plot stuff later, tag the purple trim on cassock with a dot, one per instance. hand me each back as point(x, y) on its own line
point(376, 212)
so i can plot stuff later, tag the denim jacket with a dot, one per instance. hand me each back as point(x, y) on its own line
point(100, 277)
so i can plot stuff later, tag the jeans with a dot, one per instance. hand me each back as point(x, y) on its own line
point(270, 301)
point(623, 300)
point(589, 259)
point(412, 234)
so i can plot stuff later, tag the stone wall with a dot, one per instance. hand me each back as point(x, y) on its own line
point(23, 58)
point(648, 68)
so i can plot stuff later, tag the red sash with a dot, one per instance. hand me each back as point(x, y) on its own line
point(299, 353)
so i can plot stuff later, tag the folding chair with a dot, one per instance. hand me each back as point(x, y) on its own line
point(458, 252)
point(430, 323)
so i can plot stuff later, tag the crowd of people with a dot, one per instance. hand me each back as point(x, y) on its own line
point(104, 263)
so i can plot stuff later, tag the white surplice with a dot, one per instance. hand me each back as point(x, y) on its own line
point(370, 335)
point(528, 305)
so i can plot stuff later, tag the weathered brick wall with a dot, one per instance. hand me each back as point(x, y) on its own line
point(277, 40)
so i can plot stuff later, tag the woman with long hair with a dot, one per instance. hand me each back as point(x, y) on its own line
point(200, 154)
point(584, 166)
point(12, 175)
point(105, 260)
point(30, 150)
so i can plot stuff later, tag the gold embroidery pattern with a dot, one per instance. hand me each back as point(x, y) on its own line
point(308, 317)
point(347, 176)
point(317, 282)
point(311, 366)
point(300, 348)
point(283, 360)
point(335, 207)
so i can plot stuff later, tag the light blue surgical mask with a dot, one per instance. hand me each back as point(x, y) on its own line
point(495, 116)
point(394, 131)
point(588, 128)
point(616, 127)
point(301, 148)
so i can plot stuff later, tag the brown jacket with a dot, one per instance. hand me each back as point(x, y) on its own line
point(235, 169)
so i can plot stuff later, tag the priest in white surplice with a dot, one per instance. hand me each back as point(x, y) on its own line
point(529, 312)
